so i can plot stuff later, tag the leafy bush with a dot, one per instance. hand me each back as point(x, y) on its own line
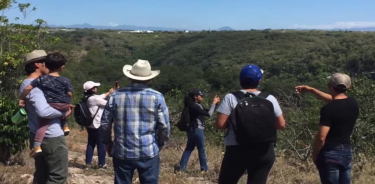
point(13, 135)
point(16, 40)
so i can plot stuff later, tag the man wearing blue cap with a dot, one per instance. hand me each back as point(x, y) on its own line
point(252, 118)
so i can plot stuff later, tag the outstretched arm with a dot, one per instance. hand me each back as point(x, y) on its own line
point(198, 110)
point(319, 94)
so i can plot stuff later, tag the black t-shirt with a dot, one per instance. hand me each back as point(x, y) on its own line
point(340, 115)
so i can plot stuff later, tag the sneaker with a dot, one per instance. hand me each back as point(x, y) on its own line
point(87, 166)
point(103, 166)
point(177, 169)
point(36, 151)
point(66, 130)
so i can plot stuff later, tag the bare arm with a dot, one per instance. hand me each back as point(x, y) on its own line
point(70, 94)
point(280, 122)
point(319, 140)
point(321, 95)
point(221, 121)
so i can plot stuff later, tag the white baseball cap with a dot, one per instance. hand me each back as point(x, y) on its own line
point(89, 85)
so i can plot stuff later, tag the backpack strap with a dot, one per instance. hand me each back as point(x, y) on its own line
point(85, 98)
point(263, 94)
point(238, 94)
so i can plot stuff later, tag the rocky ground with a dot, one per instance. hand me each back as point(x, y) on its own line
point(285, 170)
point(78, 174)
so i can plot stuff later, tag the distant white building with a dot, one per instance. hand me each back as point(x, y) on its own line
point(141, 31)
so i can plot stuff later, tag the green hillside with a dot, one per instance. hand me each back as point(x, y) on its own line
point(213, 59)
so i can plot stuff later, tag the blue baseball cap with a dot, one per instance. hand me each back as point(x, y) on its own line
point(250, 74)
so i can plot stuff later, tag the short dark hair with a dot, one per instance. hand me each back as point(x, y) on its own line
point(250, 85)
point(31, 67)
point(340, 89)
point(140, 81)
point(55, 61)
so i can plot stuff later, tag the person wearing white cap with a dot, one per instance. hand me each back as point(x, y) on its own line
point(95, 103)
point(332, 150)
point(140, 118)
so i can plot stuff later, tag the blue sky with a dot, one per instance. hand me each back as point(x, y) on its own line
point(207, 14)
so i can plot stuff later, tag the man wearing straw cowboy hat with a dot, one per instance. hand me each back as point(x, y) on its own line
point(52, 165)
point(140, 118)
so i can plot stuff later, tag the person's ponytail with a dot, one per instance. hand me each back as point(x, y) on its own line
point(188, 101)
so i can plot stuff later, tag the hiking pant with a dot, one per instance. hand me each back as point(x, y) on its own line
point(195, 139)
point(51, 166)
point(335, 164)
point(148, 170)
point(93, 140)
point(258, 162)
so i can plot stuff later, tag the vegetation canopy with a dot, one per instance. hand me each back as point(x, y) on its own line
point(16, 40)
point(208, 60)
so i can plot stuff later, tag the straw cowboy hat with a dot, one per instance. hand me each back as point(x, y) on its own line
point(141, 71)
point(34, 56)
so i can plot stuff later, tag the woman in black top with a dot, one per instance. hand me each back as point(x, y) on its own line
point(196, 132)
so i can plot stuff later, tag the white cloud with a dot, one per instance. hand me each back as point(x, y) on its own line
point(341, 25)
point(113, 24)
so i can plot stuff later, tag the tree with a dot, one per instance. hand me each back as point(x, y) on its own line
point(16, 40)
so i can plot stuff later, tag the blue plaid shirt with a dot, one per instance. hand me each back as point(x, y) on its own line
point(141, 122)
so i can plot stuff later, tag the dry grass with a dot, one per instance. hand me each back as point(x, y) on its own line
point(285, 171)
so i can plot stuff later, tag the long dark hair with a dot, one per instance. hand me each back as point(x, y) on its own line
point(189, 100)
point(89, 92)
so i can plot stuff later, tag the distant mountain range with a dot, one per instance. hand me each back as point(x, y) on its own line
point(151, 28)
point(127, 27)
point(226, 28)
point(119, 27)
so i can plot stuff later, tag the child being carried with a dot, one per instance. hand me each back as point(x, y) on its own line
point(58, 93)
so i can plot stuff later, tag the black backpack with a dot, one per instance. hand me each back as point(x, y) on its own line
point(184, 123)
point(82, 113)
point(253, 119)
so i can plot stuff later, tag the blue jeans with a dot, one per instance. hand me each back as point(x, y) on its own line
point(92, 141)
point(148, 170)
point(195, 138)
point(335, 164)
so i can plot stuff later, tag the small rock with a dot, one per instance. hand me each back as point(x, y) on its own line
point(29, 177)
